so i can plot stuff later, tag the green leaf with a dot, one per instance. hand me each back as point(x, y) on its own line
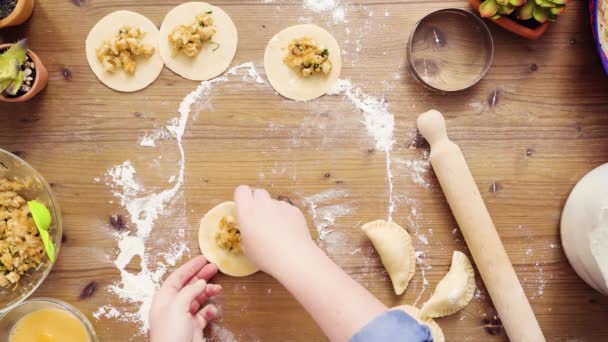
point(547, 4)
point(16, 83)
point(525, 12)
point(49, 247)
point(17, 51)
point(488, 8)
point(557, 10)
point(540, 14)
point(506, 10)
point(40, 214)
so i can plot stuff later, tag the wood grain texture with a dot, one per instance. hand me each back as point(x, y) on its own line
point(527, 149)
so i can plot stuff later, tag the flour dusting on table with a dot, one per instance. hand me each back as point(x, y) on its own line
point(379, 123)
point(320, 5)
point(324, 213)
point(146, 207)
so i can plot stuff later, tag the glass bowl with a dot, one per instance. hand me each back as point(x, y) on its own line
point(15, 168)
point(10, 318)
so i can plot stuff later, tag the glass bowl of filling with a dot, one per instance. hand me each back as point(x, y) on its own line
point(45, 319)
point(24, 263)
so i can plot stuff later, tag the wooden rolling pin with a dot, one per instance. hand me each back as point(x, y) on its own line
point(479, 231)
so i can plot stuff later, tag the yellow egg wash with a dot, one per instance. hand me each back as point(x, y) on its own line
point(49, 325)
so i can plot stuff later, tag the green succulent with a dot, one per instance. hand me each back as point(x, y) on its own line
point(11, 75)
point(540, 10)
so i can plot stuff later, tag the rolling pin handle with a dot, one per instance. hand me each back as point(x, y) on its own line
point(432, 126)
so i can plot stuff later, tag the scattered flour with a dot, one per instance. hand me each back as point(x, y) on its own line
point(320, 5)
point(324, 214)
point(379, 123)
point(339, 15)
point(149, 140)
point(145, 208)
point(419, 169)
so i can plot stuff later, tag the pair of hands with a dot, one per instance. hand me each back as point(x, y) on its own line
point(270, 229)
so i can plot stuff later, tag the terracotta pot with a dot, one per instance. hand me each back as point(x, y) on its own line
point(42, 78)
point(21, 13)
point(515, 27)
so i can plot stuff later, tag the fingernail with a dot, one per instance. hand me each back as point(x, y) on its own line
point(212, 312)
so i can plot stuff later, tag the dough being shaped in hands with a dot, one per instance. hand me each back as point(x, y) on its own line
point(394, 245)
point(147, 69)
point(233, 263)
point(435, 329)
point(216, 54)
point(286, 80)
point(454, 291)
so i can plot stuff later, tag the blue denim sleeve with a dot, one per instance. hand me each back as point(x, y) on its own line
point(393, 326)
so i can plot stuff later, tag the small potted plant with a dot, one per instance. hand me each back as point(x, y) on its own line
point(22, 74)
point(15, 12)
point(527, 18)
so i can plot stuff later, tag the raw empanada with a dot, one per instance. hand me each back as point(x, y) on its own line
point(222, 247)
point(435, 329)
point(454, 291)
point(394, 245)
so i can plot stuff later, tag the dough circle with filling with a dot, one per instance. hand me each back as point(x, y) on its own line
point(147, 69)
point(216, 54)
point(234, 264)
point(286, 80)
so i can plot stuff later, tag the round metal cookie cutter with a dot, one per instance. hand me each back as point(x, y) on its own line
point(450, 50)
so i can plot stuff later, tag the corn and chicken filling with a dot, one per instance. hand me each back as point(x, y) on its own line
point(228, 235)
point(306, 56)
point(21, 248)
point(122, 50)
point(189, 39)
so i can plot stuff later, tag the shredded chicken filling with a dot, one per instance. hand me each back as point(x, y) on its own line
point(228, 235)
point(307, 57)
point(189, 39)
point(122, 50)
point(21, 248)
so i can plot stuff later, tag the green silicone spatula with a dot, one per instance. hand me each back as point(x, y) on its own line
point(42, 218)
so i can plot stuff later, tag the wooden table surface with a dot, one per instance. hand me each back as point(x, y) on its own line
point(530, 129)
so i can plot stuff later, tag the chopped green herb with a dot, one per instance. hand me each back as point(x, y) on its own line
point(208, 12)
point(325, 53)
point(215, 46)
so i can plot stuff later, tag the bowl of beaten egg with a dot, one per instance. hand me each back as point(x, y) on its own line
point(45, 319)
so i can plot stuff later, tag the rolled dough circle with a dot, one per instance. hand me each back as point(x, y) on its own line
point(285, 80)
point(208, 63)
point(232, 264)
point(582, 214)
point(147, 69)
point(435, 329)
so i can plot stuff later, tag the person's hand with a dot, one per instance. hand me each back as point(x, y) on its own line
point(176, 314)
point(271, 230)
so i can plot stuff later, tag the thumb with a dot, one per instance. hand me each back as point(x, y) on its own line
point(243, 195)
point(243, 198)
point(189, 293)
